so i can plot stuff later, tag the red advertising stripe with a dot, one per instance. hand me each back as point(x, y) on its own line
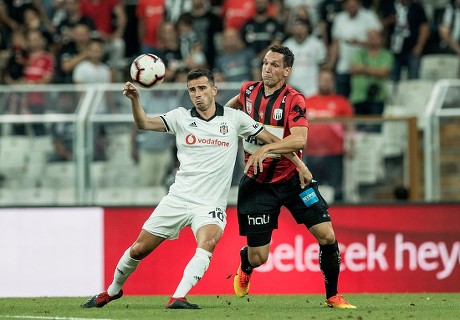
point(161, 271)
point(413, 248)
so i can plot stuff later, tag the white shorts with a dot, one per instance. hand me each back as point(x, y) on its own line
point(173, 214)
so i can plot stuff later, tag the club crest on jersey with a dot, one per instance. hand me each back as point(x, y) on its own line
point(248, 105)
point(223, 128)
point(278, 114)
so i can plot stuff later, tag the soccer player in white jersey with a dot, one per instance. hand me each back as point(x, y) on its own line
point(198, 197)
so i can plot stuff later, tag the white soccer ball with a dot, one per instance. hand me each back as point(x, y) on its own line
point(148, 70)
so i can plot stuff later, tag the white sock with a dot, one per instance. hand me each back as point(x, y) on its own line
point(124, 268)
point(193, 272)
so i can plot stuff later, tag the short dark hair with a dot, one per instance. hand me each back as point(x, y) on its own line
point(185, 19)
point(201, 72)
point(288, 59)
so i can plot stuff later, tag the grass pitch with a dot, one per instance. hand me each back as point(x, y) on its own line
point(369, 306)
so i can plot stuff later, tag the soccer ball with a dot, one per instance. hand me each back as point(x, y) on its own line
point(148, 70)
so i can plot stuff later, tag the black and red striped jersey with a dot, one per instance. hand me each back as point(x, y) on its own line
point(278, 112)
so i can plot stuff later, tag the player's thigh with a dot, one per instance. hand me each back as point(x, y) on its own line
point(209, 220)
point(307, 205)
point(258, 209)
point(168, 219)
point(254, 197)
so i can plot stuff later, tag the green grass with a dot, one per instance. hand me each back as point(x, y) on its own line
point(370, 306)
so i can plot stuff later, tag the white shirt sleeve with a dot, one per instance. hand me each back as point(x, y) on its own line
point(171, 119)
point(78, 73)
point(321, 51)
point(374, 22)
point(247, 126)
point(447, 17)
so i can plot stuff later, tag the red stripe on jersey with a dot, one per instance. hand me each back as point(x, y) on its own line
point(283, 109)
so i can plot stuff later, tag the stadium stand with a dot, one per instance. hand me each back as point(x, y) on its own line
point(66, 197)
point(413, 96)
point(394, 134)
point(59, 175)
point(36, 196)
point(115, 179)
point(439, 66)
point(368, 161)
point(148, 196)
point(113, 196)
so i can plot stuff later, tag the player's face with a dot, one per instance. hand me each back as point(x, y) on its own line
point(326, 83)
point(201, 93)
point(274, 73)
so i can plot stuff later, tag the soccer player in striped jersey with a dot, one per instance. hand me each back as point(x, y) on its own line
point(207, 141)
point(273, 180)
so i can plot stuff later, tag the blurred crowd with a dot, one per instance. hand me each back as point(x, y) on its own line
point(346, 51)
point(75, 41)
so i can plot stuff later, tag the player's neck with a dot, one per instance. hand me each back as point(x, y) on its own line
point(208, 113)
point(268, 91)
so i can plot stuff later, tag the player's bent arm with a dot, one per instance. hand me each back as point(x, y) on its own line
point(140, 118)
point(256, 159)
point(233, 103)
point(304, 173)
point(296, 141)
point(143, 121)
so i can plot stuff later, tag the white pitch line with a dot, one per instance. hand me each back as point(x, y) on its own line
point(49, 318)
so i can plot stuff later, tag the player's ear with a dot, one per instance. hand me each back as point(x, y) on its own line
point(287, 71)
point(214, 91)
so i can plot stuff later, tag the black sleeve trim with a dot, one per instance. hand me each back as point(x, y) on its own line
point(165, 123)
point(257, 133)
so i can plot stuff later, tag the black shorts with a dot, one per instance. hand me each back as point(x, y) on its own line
point(259, 204)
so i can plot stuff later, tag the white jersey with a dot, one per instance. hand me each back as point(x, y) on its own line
point(207, 150)
point(346, 28)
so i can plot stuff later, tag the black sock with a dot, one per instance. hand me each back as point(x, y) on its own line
point(245, 265)
point(329, 263)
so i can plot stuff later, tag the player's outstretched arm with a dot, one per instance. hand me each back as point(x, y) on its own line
point(140, 118)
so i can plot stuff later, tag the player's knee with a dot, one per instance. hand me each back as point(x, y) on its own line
point(139, 251)
point(258, 258)
point(324, 233)
point(208, 244)
point(326, 238)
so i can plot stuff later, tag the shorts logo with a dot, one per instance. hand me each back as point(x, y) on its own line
point(261, 220)
point(309, 197)
point(223, 128)
point(278, 114)
point(190, 139)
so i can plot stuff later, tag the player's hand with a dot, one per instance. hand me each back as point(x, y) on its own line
point(131, 91)
point(256, 160)
point(305, 176)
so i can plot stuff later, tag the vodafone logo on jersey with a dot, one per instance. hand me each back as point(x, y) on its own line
point(191, 139)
